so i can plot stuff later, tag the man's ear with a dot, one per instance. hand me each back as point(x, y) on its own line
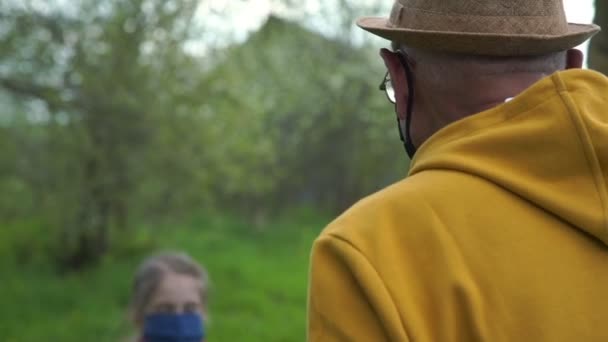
point(397, 75)
point(574, 59)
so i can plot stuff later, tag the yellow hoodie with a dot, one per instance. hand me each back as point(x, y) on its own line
point(499, 233)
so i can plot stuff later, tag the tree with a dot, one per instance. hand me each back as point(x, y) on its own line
point(598, 49)
point(310, 128)
point(106, 74)
point(111, 119)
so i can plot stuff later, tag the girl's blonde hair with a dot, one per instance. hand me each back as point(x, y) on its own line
point(150, 274)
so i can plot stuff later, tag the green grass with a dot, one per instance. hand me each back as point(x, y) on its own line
point(258, 276)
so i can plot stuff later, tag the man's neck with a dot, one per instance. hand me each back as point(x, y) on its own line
point(493, 90)
point(471, 95)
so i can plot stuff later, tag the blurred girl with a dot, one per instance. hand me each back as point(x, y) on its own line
point(169, 299)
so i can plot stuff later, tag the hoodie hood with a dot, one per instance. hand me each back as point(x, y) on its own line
point(549, 145)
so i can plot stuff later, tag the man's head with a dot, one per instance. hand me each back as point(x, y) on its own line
point(449, 87)
point(465, 56)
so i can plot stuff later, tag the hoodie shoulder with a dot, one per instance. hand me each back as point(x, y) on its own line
point(585, 95)
point(580, 79)
point(401, 204)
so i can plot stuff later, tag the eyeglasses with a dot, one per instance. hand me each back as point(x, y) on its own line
point(387, 87)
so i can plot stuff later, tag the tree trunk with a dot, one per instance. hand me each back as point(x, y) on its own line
point(598, 49)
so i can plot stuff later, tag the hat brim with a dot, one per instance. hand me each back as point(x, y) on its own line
point(480, 43)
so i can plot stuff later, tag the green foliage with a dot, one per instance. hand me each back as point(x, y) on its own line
point(111, 133)
point(310, 105)
point(598, 49)
point(105, 77)
point(258, 283)
point(110, 121)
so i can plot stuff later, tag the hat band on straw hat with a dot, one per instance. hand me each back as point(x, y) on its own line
point(420, 19)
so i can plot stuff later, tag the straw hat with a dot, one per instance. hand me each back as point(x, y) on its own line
point(481, 27)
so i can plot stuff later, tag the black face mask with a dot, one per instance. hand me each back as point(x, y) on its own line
point(410, 149)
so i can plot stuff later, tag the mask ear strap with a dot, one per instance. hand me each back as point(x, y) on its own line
point(410, 149)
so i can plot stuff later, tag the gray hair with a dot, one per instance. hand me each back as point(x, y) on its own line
point(446, 64)
point(150, 274)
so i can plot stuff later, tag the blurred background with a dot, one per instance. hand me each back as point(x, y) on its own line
point(233, 130)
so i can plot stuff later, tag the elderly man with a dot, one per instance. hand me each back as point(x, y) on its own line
point(500, 231)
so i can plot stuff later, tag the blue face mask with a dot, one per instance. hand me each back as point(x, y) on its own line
point(173, 328)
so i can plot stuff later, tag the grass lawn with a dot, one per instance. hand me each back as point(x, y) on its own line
point(259, 279)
